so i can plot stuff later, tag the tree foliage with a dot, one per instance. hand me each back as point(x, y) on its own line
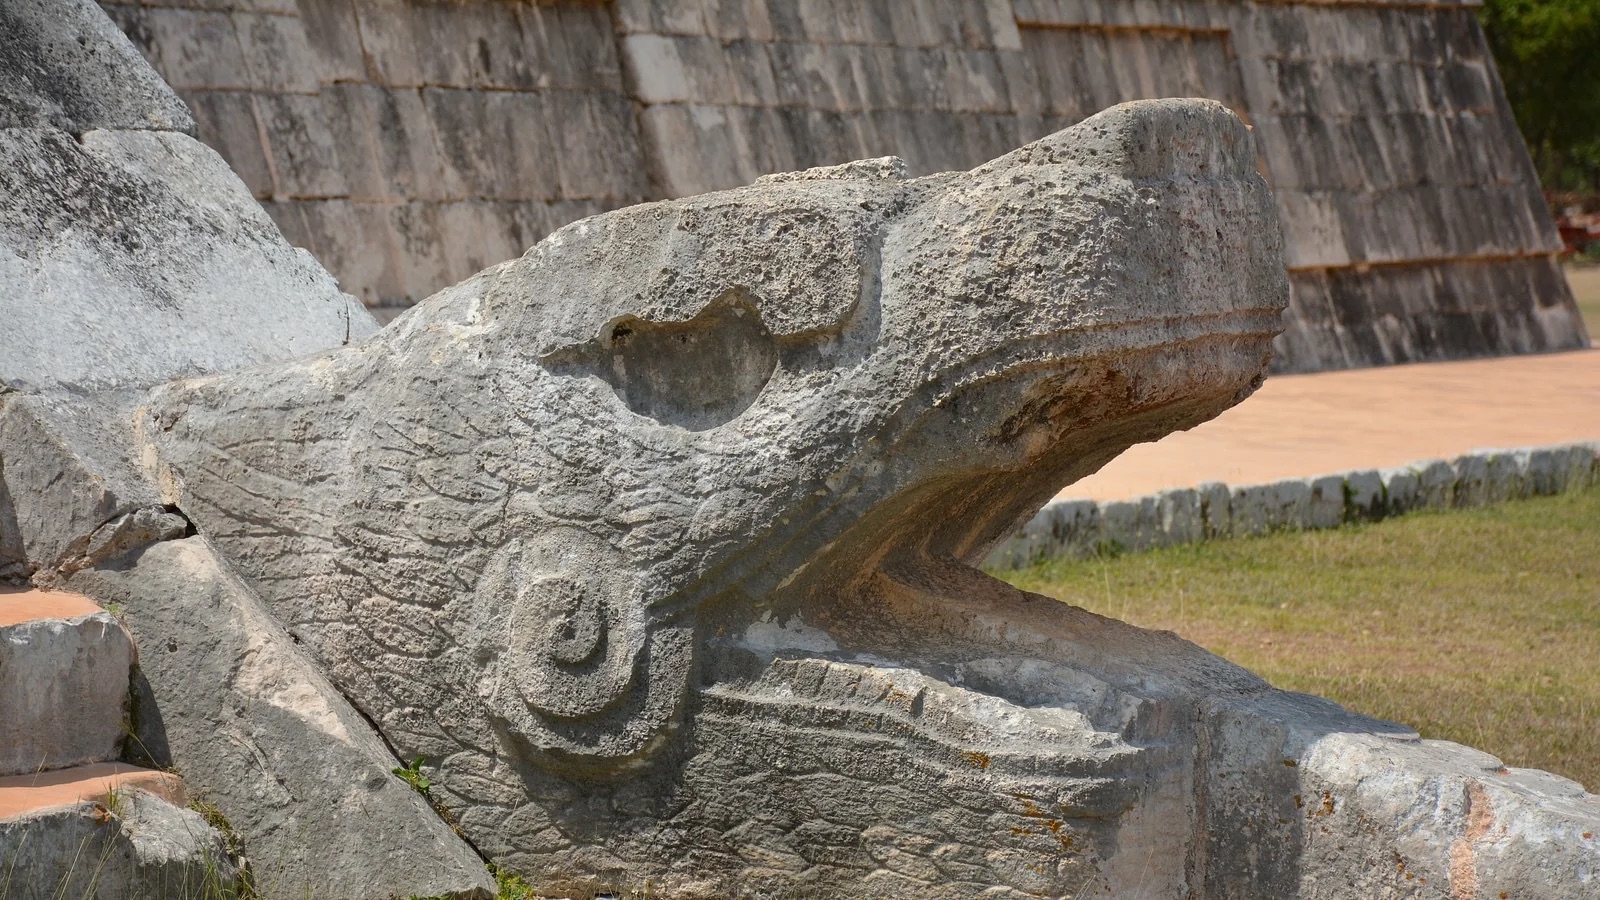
point(1548, 53)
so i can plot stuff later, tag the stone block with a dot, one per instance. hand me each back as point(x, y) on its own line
point(156, 226)
point(1024, 95)
point(978, 84)
point(298, 773)
point(68, 66)
point(750, 65)
point(475, 237)
point(532, 123)
point(1122, 525)
point(1365, 498)
point(447, 39)
point(426, 263)
point(1436, 484)
point(128, 844)
point(305, 158)
point(353, 239)
point(198, 49)
point(1292, 509)
point(1402, 490)
point(878, 79)
point(592, 138)
point(1216, 503)
point(500, 55)
point(577, 47)
point(1180, 518)
point(657, 70)
point(1472, 479)
point(67, 474)
point(1544, 470)
point(1264, 508)
point(64, 666)
point(1075, 527)
point(393, 52)
point(1508, 475)
point(334, 37)
point(1580, 468)
point(877, 23)
point(277, 53)
point(672, 129)
point(1002, 20)
point(459, 121)
point(738, 20)
point(352, 113)
point(660, 17)
point(1325, 507)
point(291, 222)
point(1061, 530)
point(824, 22)
point(226, 121)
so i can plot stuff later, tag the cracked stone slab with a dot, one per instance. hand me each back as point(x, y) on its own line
point(126, 844)
point(229, 699)
point(70, 68)
point(64, 665)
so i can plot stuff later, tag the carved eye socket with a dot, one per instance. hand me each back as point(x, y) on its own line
point(696, 374)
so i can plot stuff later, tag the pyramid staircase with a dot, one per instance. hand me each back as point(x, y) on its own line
point(74, 820)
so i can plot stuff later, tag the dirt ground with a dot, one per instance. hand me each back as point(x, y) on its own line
point(1300, 425)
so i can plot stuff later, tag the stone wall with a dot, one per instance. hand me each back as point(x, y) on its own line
point(405, 143)
point(1076, 529)
point(408, 143)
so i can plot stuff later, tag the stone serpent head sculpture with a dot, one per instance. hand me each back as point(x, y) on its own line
point(531, 527)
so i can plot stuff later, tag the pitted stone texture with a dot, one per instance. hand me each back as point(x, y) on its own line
point(70, 466)
point(133, 845)
point(64, 669)
point(132, 257)
point(656, 543)
point(226, 697)
point(508, 525)
point(68, 67)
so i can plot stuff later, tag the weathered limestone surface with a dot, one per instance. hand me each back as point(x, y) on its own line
point(406, 144)
point(410, 143)
point(132, 257)
point(131, 846)
point(226, 697)
point(63, 689)
point(109, 85)
point(657, 543)
point(129, 255)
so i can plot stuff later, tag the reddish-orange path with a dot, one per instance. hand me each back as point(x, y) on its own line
point(23, 794)
point(26, 604)
point(32, 792)
point(1299, 425)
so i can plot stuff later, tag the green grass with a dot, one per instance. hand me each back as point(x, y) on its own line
point(1478, 626)
point(1585, 281)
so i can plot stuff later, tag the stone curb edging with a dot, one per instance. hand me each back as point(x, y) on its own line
point(1074, 529)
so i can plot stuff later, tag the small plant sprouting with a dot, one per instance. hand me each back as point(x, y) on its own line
point(413, 776)
point(115, 803)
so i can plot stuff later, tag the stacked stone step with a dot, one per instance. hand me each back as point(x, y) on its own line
point(74, 820)
point(1075, 529)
